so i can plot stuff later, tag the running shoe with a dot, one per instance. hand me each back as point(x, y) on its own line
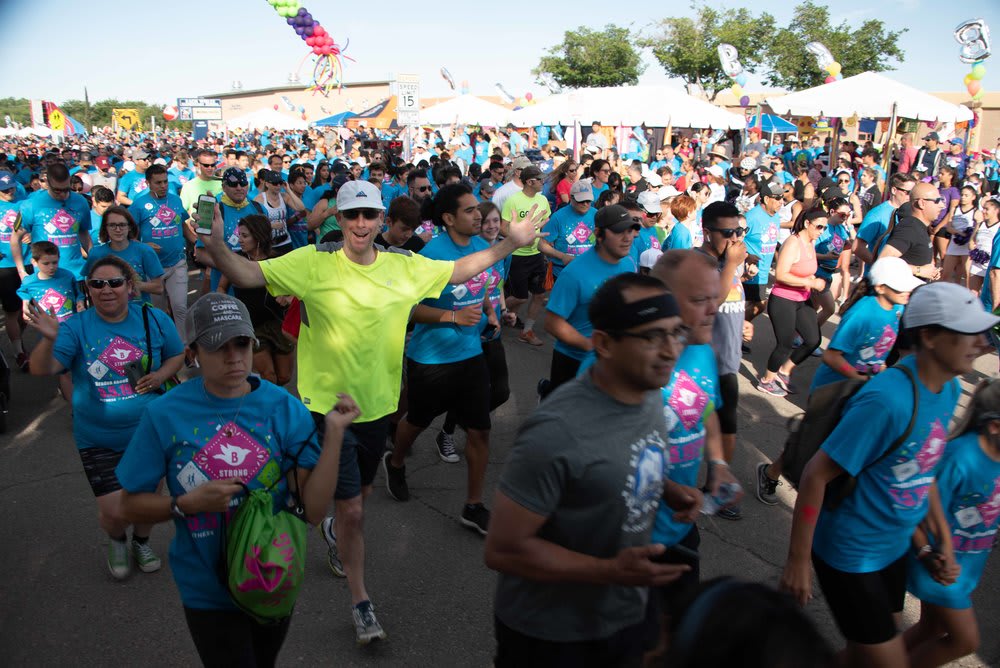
point(446, 447)
point(145, 558)
point(772, 388)
point(395, 479)
point(530, 338)
point(766, 488)
point(818, 352)
point(785, 382)
point(326, 527)
point(118, 559)
point(22, 362)
point(476, 517)
point(366, 626)
point(730, 513)
point(543, 388)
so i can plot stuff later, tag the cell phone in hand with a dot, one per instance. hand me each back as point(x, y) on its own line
point(489, 331)
point(134, 372)
point(206, 212)
point(677, 554)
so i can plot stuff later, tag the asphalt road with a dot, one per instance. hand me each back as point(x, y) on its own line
point(425, 572)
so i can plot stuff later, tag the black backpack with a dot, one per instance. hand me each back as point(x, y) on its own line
point(809, 430)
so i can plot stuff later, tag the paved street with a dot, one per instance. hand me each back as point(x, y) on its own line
point(425, 572)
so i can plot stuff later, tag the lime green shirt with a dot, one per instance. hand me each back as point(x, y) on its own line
point(516, 208)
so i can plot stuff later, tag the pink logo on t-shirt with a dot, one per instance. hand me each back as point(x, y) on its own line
point(933, 447)
point(884, 344)
point(141, 185)
point(990, 509)
point(52, 300)
point(119, 353)
point(837, 243)
point(476, 283)
point(654, 243)
point(165, 214)
point(581, 232)
point(7, 224)
point(232, 453)
point(63, 220)
point(687, 400)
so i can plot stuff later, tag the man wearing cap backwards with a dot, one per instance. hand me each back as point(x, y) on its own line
point(133, 183)
point(567, 318)
point(763, 223)
point(356, 301)
point(929, 158)
point(860, 548)
point(575, 506)
point(526, 282)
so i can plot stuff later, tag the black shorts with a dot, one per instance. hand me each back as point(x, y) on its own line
point(10, 281)
point(863, 603)
point(527, 275)
point(620, 650)
point(564, 369)
point(364, 443)
point(674, 597)
point(99, 464)
point(756, 292)
point(943, 233)
point(462, 388)
point(729, 389)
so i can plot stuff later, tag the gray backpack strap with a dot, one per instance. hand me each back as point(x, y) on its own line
point(329, 247)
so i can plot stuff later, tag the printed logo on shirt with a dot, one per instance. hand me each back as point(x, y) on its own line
point(231, 453)
point(119, 353)
point(52, 300)
point(7, 224)
point(977, 521)
point(644, 486)
point(886, 341)
point(913, 477)
point(140, 185)
point(190, 476)
point(580, 234)
point(63, 221)
point(687, 400)
point(163, 215)
point(990, 509)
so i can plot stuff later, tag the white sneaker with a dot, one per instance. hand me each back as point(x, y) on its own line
point(118, 559)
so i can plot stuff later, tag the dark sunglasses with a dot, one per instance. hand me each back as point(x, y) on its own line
point(422, 189)
point(936, 200)
point(99, 283)
point(207, 165)
point(820, 227)
point(354, 214)
point(729, 232)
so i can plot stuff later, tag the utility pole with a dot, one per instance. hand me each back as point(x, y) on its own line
point(86, 111)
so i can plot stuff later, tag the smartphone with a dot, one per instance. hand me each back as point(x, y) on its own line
point(206, 212)
point(677, 554)
point(489, 331)
point(134, 371)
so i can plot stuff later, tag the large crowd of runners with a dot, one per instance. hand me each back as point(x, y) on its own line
point(382, 285)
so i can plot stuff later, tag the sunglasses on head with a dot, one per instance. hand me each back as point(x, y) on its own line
point(729, 232)
point(354, 214)
point(99, 283)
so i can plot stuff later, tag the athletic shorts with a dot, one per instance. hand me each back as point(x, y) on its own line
point(674, 597)
point(461, 388)
point(863, 603)
point(527, 276)
point(360, 454)
point(10, 281)
point(729, 389)
point(756, 292)
point(99, 464)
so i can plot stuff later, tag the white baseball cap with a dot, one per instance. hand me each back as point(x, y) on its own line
point(359, 195)
point(666, 192)
point(654, 179)
point(947, 305)
point(894, 273)
point(649, 201)
point(649, 257)
point(715, 170)
point(582, 191)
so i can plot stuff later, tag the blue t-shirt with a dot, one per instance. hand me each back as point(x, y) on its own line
point(9, 213)
point(643, 241)
point(496, 289)
point(95, 227)
point(680, 238)
point(834, 239)
point(180, 438)
point(873, 526)
point(691, 396)
point(134, 184)
point(986, 293)
point(142, 258)
point(161, 222)
point(106, 410)
point(47, 219)
point(761, 240)
point(391, 191)
point(865, 336)
point(969, 484)
point(443, 342)
point(873, 226)
point(59, 293)
point(176, 178)
point(570, 233)
point(598, 189)
point(573, 291)
point(313, 195)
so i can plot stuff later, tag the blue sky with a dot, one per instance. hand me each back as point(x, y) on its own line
point(158, 59)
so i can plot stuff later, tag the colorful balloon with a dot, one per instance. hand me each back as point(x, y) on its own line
point(823, 55)
point(978, 71)
point(729, 59)
point(326, 75)
point(507, 97)
point(737, 90)
point(974, 87)
point(170, 113)
point(745, 101)
point(834, 69)
point(528, 97)
point(974, 36)
point(742, 79)
point(829, 79)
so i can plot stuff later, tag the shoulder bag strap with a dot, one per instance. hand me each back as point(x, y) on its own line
point(913, 416)
point(149, 339)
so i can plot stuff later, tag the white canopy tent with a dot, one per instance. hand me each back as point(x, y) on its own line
point(654, 106)
point(465, 109)
point(266, 118)
point(37, 131)
point(869, 95)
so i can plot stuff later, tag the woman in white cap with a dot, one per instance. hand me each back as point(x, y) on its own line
point(211, 438)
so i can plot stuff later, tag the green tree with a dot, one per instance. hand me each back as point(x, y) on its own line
point(686, 47)
point(19, 110)
point(593, 58)
point(870, 47)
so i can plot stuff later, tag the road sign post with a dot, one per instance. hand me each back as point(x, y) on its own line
point(408, 99)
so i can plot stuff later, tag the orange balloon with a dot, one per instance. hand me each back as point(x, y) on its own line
point(974, 87)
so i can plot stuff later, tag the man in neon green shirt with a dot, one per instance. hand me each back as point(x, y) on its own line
point(355, 302)
point(526, 280)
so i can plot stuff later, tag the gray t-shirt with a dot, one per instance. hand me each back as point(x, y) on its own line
point(595, 467)
point(727, 332)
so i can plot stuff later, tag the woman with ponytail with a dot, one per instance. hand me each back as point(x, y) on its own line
point(968, 482)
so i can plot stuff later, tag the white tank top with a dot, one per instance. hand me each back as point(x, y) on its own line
point(277, 215)
point(785, 215)
point(985, 235)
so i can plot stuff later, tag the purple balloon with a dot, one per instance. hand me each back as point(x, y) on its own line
point(302, 11)
point(299, 30)
point(290, 20)
point(745, 101)
point(308, 31)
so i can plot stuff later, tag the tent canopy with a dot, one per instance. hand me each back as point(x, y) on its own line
point(465, 109)
point(868, 95)
point(381, 116)
point(266, 118)
point(335, 121)
point(654, 106)
point(769, 123)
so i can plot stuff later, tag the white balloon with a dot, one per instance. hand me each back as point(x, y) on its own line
point(729, 59)
point(823, 55)
point(507, 97)
point(446, 75)
point(974, 36)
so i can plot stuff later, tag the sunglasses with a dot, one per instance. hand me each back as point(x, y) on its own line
point(820, 227)
point(936, 200)
point(99, 283)
point(207, 165)
point(422, 189)
point(729, 232)
point(354, 214)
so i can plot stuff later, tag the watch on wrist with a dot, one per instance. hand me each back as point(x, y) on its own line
point(175, 510)
point(925, 551)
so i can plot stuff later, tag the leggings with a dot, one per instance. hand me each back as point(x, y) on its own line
point(787, 318)
point(496, 362)
point(233, 639)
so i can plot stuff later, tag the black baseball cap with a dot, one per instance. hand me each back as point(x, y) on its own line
point(616, 218)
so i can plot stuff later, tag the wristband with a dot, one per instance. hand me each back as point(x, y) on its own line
point(453, 317)
point(718, 462)
point(809, 513)
point(845, 368)
point(925, 551)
